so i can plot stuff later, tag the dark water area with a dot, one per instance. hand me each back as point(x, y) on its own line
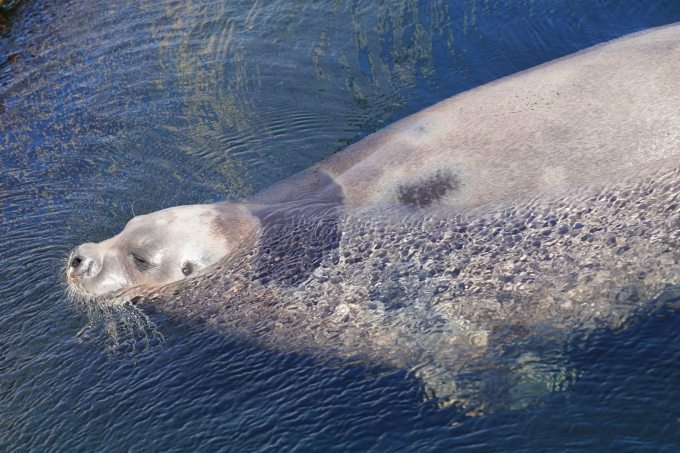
point(114, 108)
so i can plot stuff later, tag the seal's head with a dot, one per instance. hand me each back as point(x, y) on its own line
point(163, 247)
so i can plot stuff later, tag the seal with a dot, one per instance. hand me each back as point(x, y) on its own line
point(547, 201)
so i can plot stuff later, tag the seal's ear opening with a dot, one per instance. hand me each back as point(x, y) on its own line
point(187, 269)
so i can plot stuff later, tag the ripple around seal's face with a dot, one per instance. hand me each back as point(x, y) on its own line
point(124, 327)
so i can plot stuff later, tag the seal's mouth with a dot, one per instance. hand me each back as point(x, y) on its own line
point(79, 286)
point(75, 285)
point(77, 289)
point(79, 280)
point(79, 292)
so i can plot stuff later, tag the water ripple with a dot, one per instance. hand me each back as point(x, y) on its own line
point(109, 108)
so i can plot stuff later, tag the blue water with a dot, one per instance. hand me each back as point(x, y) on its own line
point(110, 108)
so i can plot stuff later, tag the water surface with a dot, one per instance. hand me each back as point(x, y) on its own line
point(112, 108)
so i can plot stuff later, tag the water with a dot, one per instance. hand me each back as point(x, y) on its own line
point(109, 108)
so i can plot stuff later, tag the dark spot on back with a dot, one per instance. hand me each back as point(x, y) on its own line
point(430, 190)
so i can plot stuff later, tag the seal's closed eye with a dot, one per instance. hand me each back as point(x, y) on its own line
point(140, 262)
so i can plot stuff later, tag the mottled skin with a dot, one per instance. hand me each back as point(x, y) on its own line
point(438, 290)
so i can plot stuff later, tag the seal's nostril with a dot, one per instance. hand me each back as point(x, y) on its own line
point(76, 262)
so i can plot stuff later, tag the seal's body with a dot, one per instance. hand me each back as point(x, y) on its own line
point(585, 256)
point(549, 198)
point(438, 290)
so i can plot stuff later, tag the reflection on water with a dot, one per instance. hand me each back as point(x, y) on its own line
point(109, 108)
point(231, 63)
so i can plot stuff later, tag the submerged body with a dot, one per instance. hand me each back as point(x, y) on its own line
point(434, 289)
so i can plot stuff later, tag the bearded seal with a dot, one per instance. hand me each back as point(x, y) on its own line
point(549, 198)
point(432, 289)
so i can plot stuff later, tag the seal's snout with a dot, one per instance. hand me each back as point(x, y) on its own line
point(81, 263)
point(84, 271)
point(76, 262)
